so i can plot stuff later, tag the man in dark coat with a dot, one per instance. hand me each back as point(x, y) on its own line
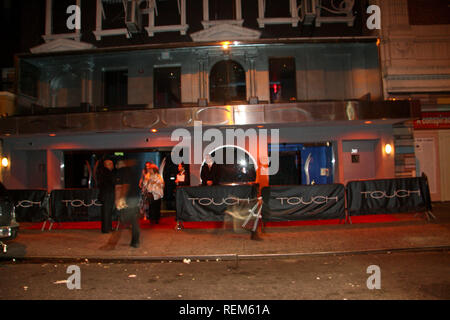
point(105, 184)
point(210, 172)
point(127, 199)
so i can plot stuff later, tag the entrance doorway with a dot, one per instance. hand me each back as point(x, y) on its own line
point(79, 169)
point(304, 163)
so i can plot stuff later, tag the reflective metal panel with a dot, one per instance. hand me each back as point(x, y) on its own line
point(215, 116)
point(177, 117)
point(141, 119)
point(323, 112)
point(286, 114)
point(248, 114)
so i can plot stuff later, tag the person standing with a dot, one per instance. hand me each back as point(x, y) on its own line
point(105, 184)
point(126, 201)
point(182, 178)
point(153, 190)
point(145, 176)
point(210, 172)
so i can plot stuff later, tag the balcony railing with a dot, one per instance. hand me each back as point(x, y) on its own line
point(142, 118)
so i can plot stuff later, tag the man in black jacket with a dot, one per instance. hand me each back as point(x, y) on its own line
point(105, 184)
point(126, 199)
point(210, 172)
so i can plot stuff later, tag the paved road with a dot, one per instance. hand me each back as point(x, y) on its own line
point(404, 275)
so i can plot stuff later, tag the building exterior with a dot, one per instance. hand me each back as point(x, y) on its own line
point(135, 71)
point(415, 59)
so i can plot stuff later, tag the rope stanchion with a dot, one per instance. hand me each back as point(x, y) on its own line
point(253, 214)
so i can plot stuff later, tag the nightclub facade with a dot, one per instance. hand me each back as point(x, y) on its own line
point(310, 74)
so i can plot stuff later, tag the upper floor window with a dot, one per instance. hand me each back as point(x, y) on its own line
point(227, 82)
point(115, 88)
point(167, 87)
point(277, 8)
point(132, 17)
point(56, 19)
point(282, 77)
point(113, 15)
point(277, 12)
point(60, 15)
point(222, 9)
point(168, 13)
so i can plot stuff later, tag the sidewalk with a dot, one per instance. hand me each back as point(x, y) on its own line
point(162, 242)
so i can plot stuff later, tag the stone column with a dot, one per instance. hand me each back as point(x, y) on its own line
point(202, 77)
point(251, 58)
point(87, 71)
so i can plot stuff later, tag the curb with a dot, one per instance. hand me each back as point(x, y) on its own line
point(218, 257)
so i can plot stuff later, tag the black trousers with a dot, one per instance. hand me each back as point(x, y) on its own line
point(131, 216)
point(107, 200)
point(155, 209)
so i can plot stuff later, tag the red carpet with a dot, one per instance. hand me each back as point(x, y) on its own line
point(170, 223)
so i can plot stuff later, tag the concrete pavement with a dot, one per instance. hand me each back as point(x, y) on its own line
point(162, 242)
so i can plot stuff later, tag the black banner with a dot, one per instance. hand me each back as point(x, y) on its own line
point(210, 203)
point(31, 205)
point(75, 205)
point(303, 202)
point(388, 196)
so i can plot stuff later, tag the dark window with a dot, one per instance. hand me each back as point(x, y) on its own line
point(60, 15)
point(168, 13)
point(114, 17)
point(282, 76)
point(29, 76)
point(167, 87)
point(115, 88)
point(428, 12)
point(277, 8)
point(222, 9)
point(227, 82)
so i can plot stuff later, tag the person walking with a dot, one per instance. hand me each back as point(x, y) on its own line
point(105, 184)
point(153, 191)
point(126, 201)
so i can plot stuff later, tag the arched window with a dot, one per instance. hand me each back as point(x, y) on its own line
point(227, 82)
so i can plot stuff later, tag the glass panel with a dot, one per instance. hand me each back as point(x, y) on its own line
point(283, 87)
point(240, 171)
point(227, 82)
point(167, 87)
point(29, 75)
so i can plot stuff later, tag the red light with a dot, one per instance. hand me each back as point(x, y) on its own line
point(154, 130)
